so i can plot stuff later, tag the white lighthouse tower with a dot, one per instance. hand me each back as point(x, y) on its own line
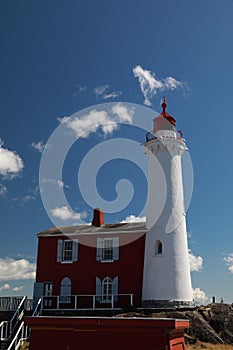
point(166, 277)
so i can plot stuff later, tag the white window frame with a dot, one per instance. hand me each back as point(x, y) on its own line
point(48, 291)
point(65, 291)
point(62, 251)
point(102, 248)
point(107, 290)
point(112, 289)
point(107, 249)
point(67, 251)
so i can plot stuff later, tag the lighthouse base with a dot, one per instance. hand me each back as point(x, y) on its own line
point(166, 304)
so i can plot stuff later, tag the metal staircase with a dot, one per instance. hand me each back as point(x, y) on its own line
point(22, 333)
point(15, 326)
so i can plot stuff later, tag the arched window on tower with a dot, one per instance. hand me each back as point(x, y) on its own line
point(158, 248)
point(65, 291)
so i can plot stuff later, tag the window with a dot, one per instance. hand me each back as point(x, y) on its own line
point(107, 289)
point(48, 291)
point(48, 288)
point(107, 249)
point(67, 250)
point(158, 248)
point(65, 291)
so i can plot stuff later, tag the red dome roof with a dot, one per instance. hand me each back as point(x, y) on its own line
point(166, 115)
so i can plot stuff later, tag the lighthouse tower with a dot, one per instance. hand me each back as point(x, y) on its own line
point(166, 277)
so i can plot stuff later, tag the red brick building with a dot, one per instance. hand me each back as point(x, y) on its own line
point(90, 266)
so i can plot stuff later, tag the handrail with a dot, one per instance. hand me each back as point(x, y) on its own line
point(37, 308)
point(164, 134)
point(81, 295)
point(10, 303)
point(23, 330)
point(17, 315)
point(7, 327)
point(4, 329)
point(76, 302)
point(21, 334)
point(28, 306)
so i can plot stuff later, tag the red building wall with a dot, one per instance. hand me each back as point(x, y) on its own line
point(106, 333)
point(129, 267)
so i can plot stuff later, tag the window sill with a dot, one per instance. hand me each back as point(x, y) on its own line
point(106, 261)
point(66, 262)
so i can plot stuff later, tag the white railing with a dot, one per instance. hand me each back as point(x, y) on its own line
point(28, 305)
point(23, 332)
point(9, 303)
point(86, 302)
point(36, 312)
point(7, 327)
point(21, 336)
point(4, 326)
point(164, 134)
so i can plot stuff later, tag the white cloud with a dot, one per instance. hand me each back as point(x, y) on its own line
point(58, 183)
point(101, 92)
point(229, 260)
point(79, 89)
point(195, 262)
point(26, 256)
point(133, 218)
point(150, 85)
point(171, 83)
point(26, 198)
point(113, 94)
point(18, 288)
point(124, 114)
point(199, 296)
point(10, 162)
point(39, 146)
point(64, 213)
point(3, 191)
point(23, 200)
point(32, 193)
point(90, 122)
point(4, 287)
point(34, 190)
point(11, 269)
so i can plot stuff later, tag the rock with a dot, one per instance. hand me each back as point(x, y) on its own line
point(212, 323)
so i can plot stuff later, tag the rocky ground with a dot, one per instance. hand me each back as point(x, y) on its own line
point(208, 346)
point(210, 324)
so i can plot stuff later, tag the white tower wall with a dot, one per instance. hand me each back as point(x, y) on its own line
point(166, 274)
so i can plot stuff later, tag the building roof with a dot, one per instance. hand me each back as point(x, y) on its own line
point(90, 229)
point(166, 115)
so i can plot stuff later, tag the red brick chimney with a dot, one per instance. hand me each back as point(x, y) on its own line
point(98, 217)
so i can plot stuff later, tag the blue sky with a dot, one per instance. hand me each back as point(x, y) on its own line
point(59, 57)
